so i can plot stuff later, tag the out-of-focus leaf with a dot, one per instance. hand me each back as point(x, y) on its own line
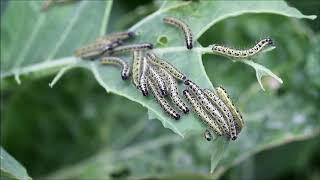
point(313, 62)
point(11, 168)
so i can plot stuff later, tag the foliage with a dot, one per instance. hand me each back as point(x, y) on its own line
point(90, 117)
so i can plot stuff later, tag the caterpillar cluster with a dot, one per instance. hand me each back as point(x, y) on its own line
point(216, 110)
point(154, 75)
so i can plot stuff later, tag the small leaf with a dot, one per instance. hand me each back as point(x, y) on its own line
point(11, 168)
point(261, 71)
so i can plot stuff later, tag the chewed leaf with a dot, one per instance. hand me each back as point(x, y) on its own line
point(262, 71)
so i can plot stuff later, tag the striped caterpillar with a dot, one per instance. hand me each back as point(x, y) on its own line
point(204, 101)
point(117, 36)
point(262, 45)
point(239, 123)
point(102, 44)
point(136, 67)
point(183, 26)
point(162, 101)
point(172, 88)
point(130, 47)
point(96, 49)
point(125, 72)
point(143, 81)
point(164, 64)
point(204, 116)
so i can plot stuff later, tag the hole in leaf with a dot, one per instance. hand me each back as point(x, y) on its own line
point(162, 40)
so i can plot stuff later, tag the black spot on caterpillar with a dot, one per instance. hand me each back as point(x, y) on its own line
point(125, 72)
point(131, 47)
point(158, 80)
point(136, 67)
point(239, 123)
point(202, 113)
point(172, 88)
point(262, 45)
point(167, 66)
point(95, 49)
point(183, 26)
point(198, 93)
point(162, 101)
point(225, 111)
point(143, 82)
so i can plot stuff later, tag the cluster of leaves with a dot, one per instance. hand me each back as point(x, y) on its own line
point(78, 119)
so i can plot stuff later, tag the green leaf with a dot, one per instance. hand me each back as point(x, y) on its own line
point(313, 62)
point(11, 168)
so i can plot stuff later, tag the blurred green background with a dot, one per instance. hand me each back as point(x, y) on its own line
point(52, 129)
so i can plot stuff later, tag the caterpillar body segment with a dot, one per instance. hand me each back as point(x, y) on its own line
point(125, 72)
point(202, 113)
point(158, 80)
point(183, 26)
point(162, 101)
point(198, 93)
point(239, 123)
point(215, 99)
point(143, 81)
point(262, 45)
point(164, 64)
point(172, 88)
point(136, 67)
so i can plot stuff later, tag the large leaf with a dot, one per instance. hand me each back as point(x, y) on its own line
point(11, 168)
point(39, 38)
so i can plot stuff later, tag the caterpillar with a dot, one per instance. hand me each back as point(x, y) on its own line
point(183, 26)
point(162, 101)
point(262, 45)
point(96, 49)
point(173, 90)
point(164, 64)
point(131, 47)
point(136, 67)
point(125, 72)
point(224, 109)
point(239, 123)
point(158, 79)
point(207, 135)
point(198, 93)
point(143, 81)
point(201, 112)
point(117, 36)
